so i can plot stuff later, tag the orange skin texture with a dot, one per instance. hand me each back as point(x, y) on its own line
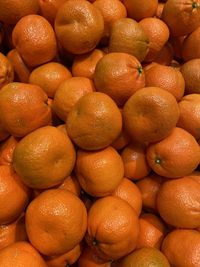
point(65, 217)
point(71, 184)
point(178, 202)
point(79, 26)
point(190, 72)
point(181, 17)
point(159, 10)
point(46, 148)
point(175, 156)
point(6, 150)
point(129, 192)
point(165, 56)
point(119, 75)
point(181, 252)
point(152, 231)
point(21, 254)
point(135, 164)
point(127, 36)
point(49, 76)
point(90, 259)
point(139, 9)
point(149, 187)
point(94, 122)
point(111, 10)
point(166, 77)
point(34, 39)
point(49, 8)
point(68, 93)
point(190, 114)
point(21, 70)
point(113, 228)
point(84, 65)
point(150, 114)
point(66, 259)
point(158, 34)
point(190, 47)
point(12, 11)
point(14, 193)
point(6, 71)
point(23, 108)
point(13, 232)
point(99, 172)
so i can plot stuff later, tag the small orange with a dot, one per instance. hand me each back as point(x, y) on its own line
point(94, 122)
point(99, 172)
point(176, 155)
point(135, 164)
point(14, 193)
point(165, 56)
point(119, 75)
point(13, 232)
point(71, 184)
point(44, 149)
point(59, 218)
point(49, 76)
point(128, 191)
point(68, 93)
point(152, 231)
point(6, 70)
point(84, 65)
point(34, 39)
point(6, 150)
point(23, 108)
point(113, 228)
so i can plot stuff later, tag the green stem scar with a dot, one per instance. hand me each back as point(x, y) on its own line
point(195, 5)
point(94, 242)
point(139, 69)
point(158, 161)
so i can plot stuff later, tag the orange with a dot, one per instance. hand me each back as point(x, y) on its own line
point(90, 259)
point(68, 93)
point(79, 26)
point(159, 10)
point(182, 17)
point(45, 149)
point(166, 77)
point(135, 164)
point(49, 76)
point(94, 122)
point(21, 254)
point(14, 195)
point(182, 248)
point(71, 184)
point(122, 140)
point(99, 172)
point(165, 56)
point(158, 34)
point(150, 114)
point(176, 155)
point(66, 259)
point(21, 70)
point(139, 9)
point(6, 150)
point(13, 10)
point(113, 228)
point(34, 39)
point(6, 70)
point(144, 257)
point(13, 232)
point(190, 72)
point(111, 10)
point(178, 202)
point(127, 36)
point(129, 192)
point(84, 65)
point(56, 221)
point(149, 187)
point(118, 75)
point(190, 47)
point(23, 108)
point(177, 44)
point(190, 114)
point(152, 231)
point(49, 8)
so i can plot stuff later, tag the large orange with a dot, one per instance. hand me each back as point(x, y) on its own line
point(56, 221)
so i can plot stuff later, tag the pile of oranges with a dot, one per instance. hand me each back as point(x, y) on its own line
point(99, 133)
